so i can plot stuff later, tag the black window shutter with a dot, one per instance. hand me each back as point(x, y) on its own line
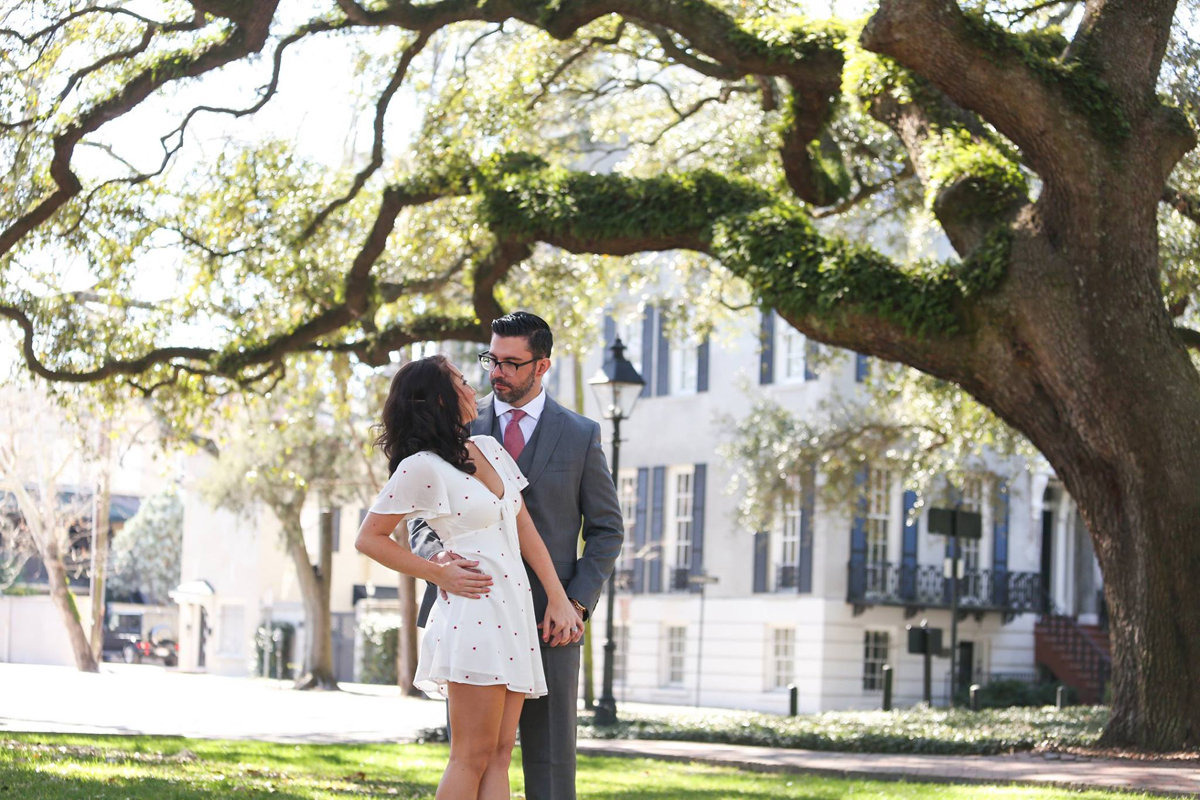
point(766, 365)
point(1000, 545)
point(811, 349)
point(656, 553)
point(698, 482)
point(648, 351)
point(610, 333)
point(639, 530)
point(702, 367)
point(663, 365)
point(761, 543)
point(858, 540)
point(908, 549)
point(808, 502)
point(862, 367)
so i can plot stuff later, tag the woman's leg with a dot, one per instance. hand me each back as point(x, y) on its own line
point(475, 716)
point(494, 785)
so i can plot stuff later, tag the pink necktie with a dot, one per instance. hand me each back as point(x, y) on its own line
point(514, 440)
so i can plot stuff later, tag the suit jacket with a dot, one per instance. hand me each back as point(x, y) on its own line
point(569, 485)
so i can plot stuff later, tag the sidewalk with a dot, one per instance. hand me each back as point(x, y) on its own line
point(1030, 769)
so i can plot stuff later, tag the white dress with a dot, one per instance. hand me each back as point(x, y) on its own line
point(494, 639)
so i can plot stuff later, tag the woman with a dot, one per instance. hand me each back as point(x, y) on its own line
point(480, 647)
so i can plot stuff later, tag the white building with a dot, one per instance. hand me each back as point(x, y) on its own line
point(823, 600)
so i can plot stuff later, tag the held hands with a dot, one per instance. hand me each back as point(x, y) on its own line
point(562, 623)
point(458, 576)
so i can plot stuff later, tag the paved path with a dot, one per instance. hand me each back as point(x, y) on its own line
point(148, 699)
point(1161, 777)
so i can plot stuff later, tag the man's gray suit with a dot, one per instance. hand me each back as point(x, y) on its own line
point(569, 485)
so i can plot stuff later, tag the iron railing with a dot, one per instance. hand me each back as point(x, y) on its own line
point(924, 586)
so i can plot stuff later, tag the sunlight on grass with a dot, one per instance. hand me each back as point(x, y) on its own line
point(55, 767)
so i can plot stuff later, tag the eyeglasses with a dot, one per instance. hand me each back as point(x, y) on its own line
point(507, 368)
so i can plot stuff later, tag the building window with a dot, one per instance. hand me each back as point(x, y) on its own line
point(791, 346)
point(684, 365)
point(233, 623)
point(970, 549)
point(676, 642)
point(788, 556)
point(879, 524)
point(627, 494)
point(620, 652)
point(783, 657)
point(630, 333)
point(680, 486)
point(875, 655)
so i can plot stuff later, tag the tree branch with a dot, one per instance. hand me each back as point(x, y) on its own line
point(1186, 204)
point(1190, 338)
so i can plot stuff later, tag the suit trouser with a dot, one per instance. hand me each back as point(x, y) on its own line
point(547, 728)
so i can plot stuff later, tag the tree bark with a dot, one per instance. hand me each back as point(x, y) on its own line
point(100, 533)
point(406, 640)
point(60, 593)
point(314, 582)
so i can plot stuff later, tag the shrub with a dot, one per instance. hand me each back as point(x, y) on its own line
point(380, 640)
point(1016, 694)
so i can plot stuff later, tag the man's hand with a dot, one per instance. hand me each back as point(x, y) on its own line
point(456, 583)
point(561, 627)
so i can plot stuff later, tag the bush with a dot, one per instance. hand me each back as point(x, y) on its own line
point(1017, 694)
point(380, 641)
point(280, 665)
point(915, 730)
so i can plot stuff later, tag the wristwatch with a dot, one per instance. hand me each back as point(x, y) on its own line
point(583, 613)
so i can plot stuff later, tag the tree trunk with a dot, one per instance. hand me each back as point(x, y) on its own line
point(100, 532)
point(314, 582)
point(1103, 387)
point(406, 640)
point(60, 593)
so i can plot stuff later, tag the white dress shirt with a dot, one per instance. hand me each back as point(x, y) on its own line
point(533, 410)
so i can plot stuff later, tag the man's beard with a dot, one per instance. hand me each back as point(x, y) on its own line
point(512, 393)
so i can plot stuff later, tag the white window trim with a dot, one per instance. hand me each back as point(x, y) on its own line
point(772, 684)
point(621, 653)
point(783, 332)
point(630, 520)
point(630, 333)
point(670, 543)
point(775, 541)
point(684, 364)
point(891, 642)
point(664, 680)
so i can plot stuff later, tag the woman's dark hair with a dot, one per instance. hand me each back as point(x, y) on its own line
point(531, 326)
point(422, 413)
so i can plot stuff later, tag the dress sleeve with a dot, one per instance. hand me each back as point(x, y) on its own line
point(504, 464)
point(416, 488)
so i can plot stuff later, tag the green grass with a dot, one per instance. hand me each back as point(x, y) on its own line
point(914, 730)
point(55, 767)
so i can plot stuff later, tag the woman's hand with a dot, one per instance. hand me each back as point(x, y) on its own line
point(561, 622)
point(459, 578)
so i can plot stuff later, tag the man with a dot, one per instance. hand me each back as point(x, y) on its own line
point(569, 484)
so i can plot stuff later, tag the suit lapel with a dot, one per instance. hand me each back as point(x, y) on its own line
point(545, 438)
point(485, 424)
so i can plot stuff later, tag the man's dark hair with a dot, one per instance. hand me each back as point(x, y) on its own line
point(531, 326)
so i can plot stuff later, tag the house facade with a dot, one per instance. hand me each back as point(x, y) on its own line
point(823, 600)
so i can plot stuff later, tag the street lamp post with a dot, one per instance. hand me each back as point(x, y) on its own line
point(617, 386)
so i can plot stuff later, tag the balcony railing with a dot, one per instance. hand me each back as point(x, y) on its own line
point(924, 586)
point(787, 576)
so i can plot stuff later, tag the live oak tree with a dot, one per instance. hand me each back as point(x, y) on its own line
point(1048, 160)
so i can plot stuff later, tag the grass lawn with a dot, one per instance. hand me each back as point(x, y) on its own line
point(54, 767)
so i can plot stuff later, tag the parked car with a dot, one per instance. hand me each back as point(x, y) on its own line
point(124, 640)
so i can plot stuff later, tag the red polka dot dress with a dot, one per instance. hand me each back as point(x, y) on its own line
point(492, 640)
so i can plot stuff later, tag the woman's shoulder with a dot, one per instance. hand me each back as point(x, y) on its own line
point(421, 460)
point(484, 440)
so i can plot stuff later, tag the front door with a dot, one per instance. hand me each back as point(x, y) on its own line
point(1047, 555)
point(966, 665)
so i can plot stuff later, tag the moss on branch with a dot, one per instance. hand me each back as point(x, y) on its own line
point(1077, 81)
point(988, 176)
point(772, 245)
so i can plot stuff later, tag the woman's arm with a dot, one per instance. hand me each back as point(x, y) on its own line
point(375, 541)
point(561, 617)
